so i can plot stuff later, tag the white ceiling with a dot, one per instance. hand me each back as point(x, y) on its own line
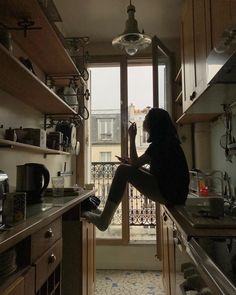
point(102, 20)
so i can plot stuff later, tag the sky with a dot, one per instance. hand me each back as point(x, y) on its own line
point(105, 87)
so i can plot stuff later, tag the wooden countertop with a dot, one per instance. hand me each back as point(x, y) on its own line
point(40, 219)
point(188, 231)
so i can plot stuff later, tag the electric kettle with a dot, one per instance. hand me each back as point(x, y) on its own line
point(33, 179)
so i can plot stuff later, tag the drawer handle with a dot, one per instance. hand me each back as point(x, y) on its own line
point(52, 258)
point(49, 233)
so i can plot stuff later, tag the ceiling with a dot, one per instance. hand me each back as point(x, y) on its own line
point(102, 20)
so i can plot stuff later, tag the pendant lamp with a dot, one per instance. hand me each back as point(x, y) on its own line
point(131, 40)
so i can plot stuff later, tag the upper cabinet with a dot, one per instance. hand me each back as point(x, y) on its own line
point(42, 45)
point(202, 26)
point(194, 51)
point(223, 14)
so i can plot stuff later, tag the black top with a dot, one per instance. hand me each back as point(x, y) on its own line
point(169, 165)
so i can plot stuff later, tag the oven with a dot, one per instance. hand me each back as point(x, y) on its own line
point(207, 266)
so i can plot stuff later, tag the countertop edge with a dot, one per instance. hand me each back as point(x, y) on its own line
point(24, 229)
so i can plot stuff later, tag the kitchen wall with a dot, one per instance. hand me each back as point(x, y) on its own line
point(14, 113)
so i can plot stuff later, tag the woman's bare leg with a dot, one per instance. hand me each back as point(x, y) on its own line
point(142, 180)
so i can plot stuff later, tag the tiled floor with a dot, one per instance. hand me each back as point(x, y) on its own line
point(109, 282)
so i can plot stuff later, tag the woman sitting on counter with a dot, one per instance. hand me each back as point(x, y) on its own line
point(167, 181)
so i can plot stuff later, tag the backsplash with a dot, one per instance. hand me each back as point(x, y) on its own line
point(218, 160)
point(14, 113)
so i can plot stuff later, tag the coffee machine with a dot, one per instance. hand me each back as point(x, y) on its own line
point(33, 179)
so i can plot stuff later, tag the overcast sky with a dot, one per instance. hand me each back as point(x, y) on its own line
point(105, 87)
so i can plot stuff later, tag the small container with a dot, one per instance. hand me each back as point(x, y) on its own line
point(14, 208)
point(58, 186)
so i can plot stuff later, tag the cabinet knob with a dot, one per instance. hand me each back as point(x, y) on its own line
point(165, 218)
point(49, 233)
point(52, 258)
point(193, 95)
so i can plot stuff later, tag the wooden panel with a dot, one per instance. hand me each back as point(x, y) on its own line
point(42, 46)
point(188, 51)
point(194, 118)
point(220, 18)
point(46, 264)
point(17, 288)
point(44, 238)
point(17, 80)
point(233, 11)
point(200, 46)
point(30, 282)
point(32, 148)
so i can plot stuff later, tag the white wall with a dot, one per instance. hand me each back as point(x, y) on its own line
point(131, 257)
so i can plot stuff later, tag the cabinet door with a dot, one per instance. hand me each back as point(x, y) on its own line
point(88, 249)
point(200, 45)
point(220, 18)
point(165, 256)
point(188, 54)
point(233, 11)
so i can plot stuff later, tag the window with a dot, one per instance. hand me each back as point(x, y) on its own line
point(105, 129)
point(105, 156)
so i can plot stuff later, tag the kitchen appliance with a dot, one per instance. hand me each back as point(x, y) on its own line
point(4, 188)
point(33, 179)
point(69, 132)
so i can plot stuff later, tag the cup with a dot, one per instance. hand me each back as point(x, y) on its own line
point(58, 186)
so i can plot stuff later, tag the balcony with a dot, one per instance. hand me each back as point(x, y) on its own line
point(142, 211)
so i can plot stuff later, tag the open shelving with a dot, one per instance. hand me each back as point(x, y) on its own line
point(17, 80)
point(17, 145)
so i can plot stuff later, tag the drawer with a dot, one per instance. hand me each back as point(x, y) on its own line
point(45, 238)
point(47, 263)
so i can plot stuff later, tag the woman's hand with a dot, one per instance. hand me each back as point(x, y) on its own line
point(132, 130)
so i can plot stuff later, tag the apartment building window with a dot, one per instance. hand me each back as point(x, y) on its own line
point(105, 156)
point(105, 129)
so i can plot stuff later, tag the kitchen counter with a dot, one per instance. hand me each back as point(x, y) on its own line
point(39, 215)
point(179, 214)
point(210, 247)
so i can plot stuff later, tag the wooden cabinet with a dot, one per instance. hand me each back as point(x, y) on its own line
point(194, 51)
point(78, 272)
point(223, 15)
point(88, 257)
point(168, 254)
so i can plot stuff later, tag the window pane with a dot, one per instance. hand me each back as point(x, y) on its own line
point(142, 211)
point(105, 137)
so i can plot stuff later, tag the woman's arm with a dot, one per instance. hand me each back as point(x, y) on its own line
point(134, 159)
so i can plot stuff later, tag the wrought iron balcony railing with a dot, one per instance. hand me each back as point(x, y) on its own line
point(142, 211)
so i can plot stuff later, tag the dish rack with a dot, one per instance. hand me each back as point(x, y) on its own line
point(206, 184)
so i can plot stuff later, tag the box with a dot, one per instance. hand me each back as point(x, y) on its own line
point(35, 136)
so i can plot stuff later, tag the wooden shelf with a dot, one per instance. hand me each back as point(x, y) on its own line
point(17, 145)
point(17, 80)
point(42, 46)
point(195, 118)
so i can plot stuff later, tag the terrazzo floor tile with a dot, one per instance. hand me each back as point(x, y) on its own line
point(117, 282)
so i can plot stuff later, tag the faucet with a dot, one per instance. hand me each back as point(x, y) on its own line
point(230, 199)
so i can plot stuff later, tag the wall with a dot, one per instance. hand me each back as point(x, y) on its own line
point(14, 113)
point(218, 161)
point(131, 257)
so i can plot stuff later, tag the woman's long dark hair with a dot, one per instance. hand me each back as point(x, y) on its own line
point(160, 126)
